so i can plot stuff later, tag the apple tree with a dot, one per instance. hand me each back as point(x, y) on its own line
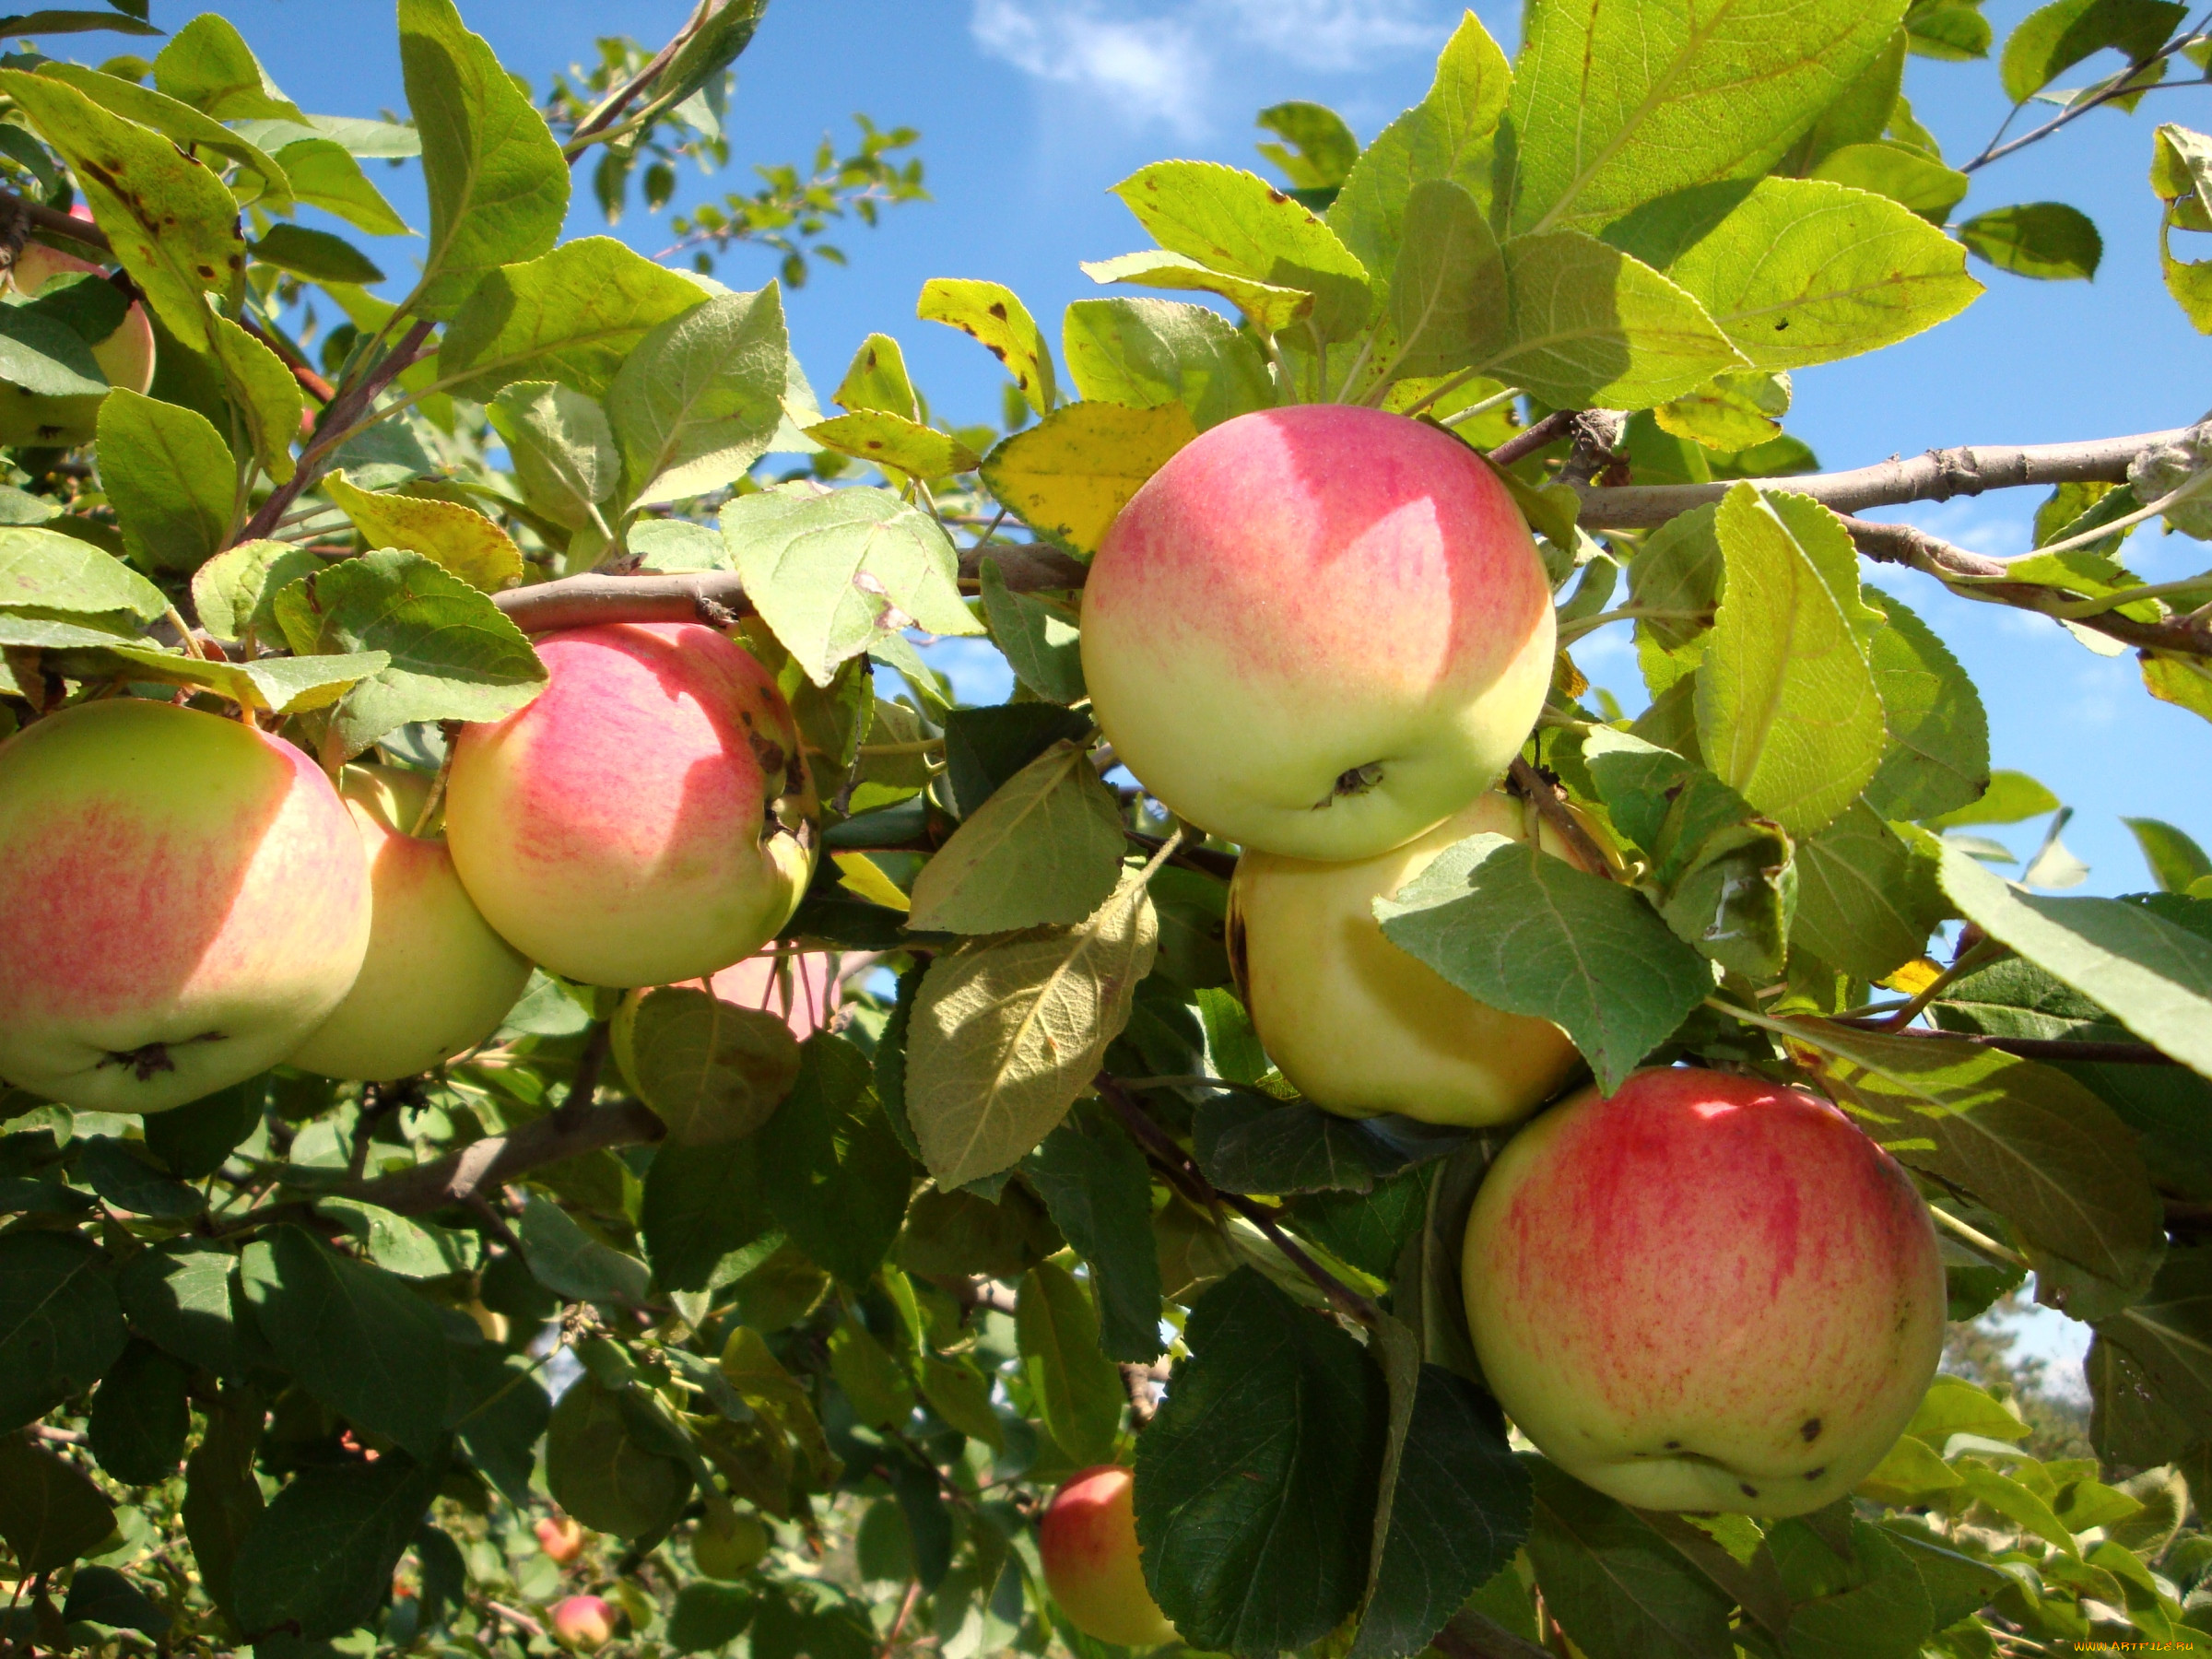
point(563, 1090)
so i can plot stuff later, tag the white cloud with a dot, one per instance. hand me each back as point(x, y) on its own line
point(1162, 67)
point(1152, 70)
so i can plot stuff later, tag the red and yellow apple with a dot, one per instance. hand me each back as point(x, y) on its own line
point(560, 1538)
point(1087, 1541)
point(1360, 1026)
point(436, 980)
point(796, 987)
point(1318, 630)
point(183, 899)
point(584, 1621)
point(125, 357)
point(647, 820)
point(1704, 1292)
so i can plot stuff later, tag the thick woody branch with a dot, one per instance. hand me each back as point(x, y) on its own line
point(697, 596)
point(1937, 475)
point(486, 1165)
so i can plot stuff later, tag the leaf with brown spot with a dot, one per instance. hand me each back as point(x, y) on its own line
point(1068, 476)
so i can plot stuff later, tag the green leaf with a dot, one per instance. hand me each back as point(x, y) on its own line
point(892, 440)
point(74, 22)
point(2045, 240)
point(129, 1180)
point(708, 1616)
point(286, 684)
point(355, 1336)
point(1255, 1484)
point(984, 747)
point(839, 1180)
point(1937, 758)
point(1461, 1508)
point(140, 1417)
point(2024, 1139)
point(1788, 711)
point(1617, 1588)
point(60, 1326)
point(323, 175)
point(834, 573)
point(1233, 222)
point(1041, 642)
point(571, 316)
point(877, 380)
point(991, 313)
point(2165, 1341)
point(105, 1597)
point(711, 1070)
point(2155, 976)
point(1805, 271)
point(171, 220)
point(2011, 798)
point(1866, 901)
point(1590, 326)
point(497, 183)
point(2052, 38)
point(571, 1262)
point(1948, 30)
point(1145, 353)
point(1533, 934)
point(1735, 898)
point(1448, 291)
point(320, 1559)
point(1245, 1144)
point(222, 1498)
point(1005, 1036)
point(1077, 1391)
point(880, 1393)
point(1447, 135)
point(1740, 409)
point(699, 1204)
point(315, 254)
point(51, 1512)
point(1070, 475)
point(45, 570)
point(42, 355)
point(170, 478)
point(454, 656)
point(265, 398)
point(1897, 1591)
point(1322, 148)
point(1095, 1183)
point(1898, 172)
point(209, 66)
point(185, 126)
point(2176, 860)
point(725, 30)
point(698, 400)
point(456, 538)
point(1044, 849)
point(1269, 310)
point(607, 1468)
point(178, 1296)
point(1616, 105)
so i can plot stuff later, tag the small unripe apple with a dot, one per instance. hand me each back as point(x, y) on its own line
point(1088, 1543)
point(1704, 1292)
point(1360, 1026)
point(436, 980)
point(183, 899)
point(125, 357)
point(560, 1538)
point(584, 1621)
point(647, 820)
point(731, 1548)
point(1318, 630)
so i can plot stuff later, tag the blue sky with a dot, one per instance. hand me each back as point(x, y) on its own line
point(1030, 109)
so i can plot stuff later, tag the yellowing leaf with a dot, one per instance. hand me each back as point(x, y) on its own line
point(865, 877)
point(1071, 475)
point(459, 538)
point(989, 313)
point(892, 440)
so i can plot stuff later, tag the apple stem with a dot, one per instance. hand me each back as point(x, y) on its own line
point(1979, 1241)
point(1532, 786)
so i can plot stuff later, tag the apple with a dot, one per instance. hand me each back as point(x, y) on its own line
point(584, 1621)
point(647, 820)
point(125, 357)
point(436, 980)
point(1318, 630)
point(795, 986)
point(183, 899)
point(1704, 1292)
point(1362, 1028)
point(560, 1538)
point(731, 1548)
point(1088, 1543)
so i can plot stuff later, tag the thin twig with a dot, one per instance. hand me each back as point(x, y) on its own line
point(1546, 432)
point(1534, 786)
point(584, 1088)
point(491, 1163)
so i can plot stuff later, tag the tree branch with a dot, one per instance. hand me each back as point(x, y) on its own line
point(55, 222)
point(1548, 430)
point(491, 1163)
point(1937, 475)
point(580, 601)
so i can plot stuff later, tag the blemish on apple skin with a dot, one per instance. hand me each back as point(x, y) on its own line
point(1810, 1430)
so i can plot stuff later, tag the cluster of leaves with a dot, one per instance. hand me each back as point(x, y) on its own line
point(877, 1287)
